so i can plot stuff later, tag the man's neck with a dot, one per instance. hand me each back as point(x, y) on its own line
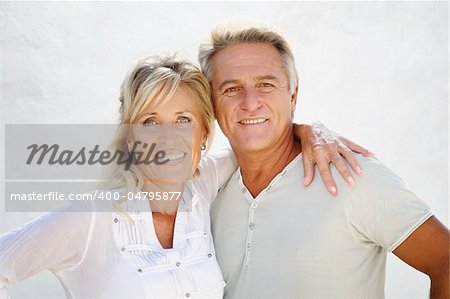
point(259, 169)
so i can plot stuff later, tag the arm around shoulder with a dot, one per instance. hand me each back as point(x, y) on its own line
point(215, 171)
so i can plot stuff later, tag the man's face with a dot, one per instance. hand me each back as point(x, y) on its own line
point(251, 95)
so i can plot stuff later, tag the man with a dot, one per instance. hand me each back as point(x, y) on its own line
point(275, 239)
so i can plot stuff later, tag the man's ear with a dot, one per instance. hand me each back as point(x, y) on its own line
point(213, 100)
point(294, 98)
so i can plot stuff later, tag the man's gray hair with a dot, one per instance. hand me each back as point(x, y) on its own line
point(222, 37)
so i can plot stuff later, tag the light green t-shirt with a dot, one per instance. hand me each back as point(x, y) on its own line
point(296, 242)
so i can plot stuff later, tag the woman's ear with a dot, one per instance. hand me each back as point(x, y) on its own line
point(204, 140)
point(128, 144)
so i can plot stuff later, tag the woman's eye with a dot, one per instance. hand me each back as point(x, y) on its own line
point(183, 119)
point(149, 122)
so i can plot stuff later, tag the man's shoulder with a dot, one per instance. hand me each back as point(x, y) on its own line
point(379, 190)
point(376, 175)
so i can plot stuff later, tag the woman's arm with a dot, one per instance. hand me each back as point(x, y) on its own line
point(215, 170)
point(225, 164)
point(53, 241)
point(322, 146)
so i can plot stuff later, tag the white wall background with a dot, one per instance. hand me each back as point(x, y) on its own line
point(374, 71)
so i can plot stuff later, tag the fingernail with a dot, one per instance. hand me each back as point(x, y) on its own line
point(351, 181)
point(333, 190)
point(359, 170)
point(372, 154)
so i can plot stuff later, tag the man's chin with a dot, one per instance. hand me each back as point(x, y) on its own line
point(251, 146)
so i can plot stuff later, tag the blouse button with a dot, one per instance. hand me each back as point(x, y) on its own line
point(140, 270)
point(187, 295)
point(251, 226)
point(122, 249)
point(178, 264)
point(254, 205)
point(209, 255)
point(116, 220)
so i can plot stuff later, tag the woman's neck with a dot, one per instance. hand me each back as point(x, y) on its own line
point(164, 196)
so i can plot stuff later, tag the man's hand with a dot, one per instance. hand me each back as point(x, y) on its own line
point(321, 146)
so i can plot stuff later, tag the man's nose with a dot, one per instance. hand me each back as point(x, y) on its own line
point(250, 100)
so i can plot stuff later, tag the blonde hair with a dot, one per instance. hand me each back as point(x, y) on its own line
point(224, 36)
point(154, 80)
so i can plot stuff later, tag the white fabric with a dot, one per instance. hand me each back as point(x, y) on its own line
point(104, 255)
point(295, 242)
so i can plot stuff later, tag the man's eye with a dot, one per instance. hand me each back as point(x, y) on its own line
point(230, 91)
point(183, 119)
point(266, 86)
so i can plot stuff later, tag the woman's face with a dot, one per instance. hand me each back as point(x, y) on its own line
point(175, 128)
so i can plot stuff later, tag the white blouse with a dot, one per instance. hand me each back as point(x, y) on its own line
point(104, 255)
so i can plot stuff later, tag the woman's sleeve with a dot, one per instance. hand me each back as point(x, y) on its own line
point(215, 171)
point(53, 241)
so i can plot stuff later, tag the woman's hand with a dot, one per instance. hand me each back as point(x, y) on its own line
point(322, 146)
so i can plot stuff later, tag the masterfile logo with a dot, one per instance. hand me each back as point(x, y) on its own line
point(47, 163)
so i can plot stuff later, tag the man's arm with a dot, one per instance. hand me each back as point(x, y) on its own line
point(427, 250)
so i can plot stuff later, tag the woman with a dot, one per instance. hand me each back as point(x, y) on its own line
point(140, 248)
